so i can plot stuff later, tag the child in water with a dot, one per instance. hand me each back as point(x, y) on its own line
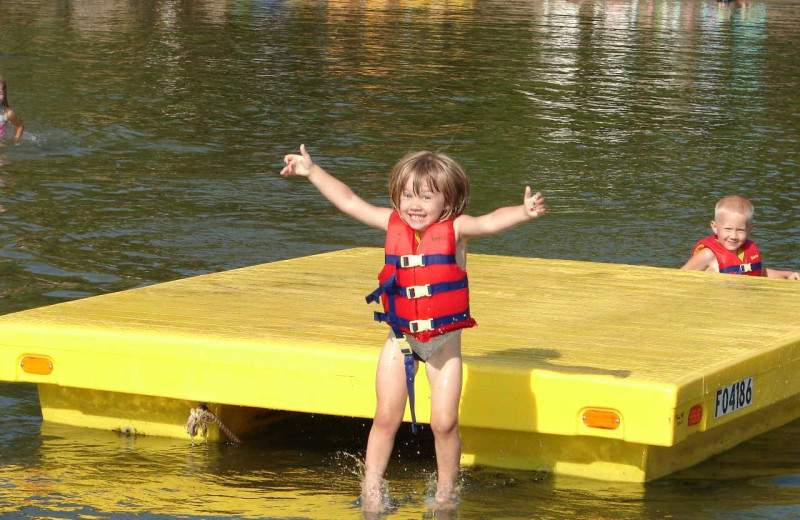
point(728, 250)
point(426, 241)
point(7, 115)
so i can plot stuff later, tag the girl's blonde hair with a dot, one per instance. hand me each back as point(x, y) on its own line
point(4, 89)
point(442, 175)
point(734, 204)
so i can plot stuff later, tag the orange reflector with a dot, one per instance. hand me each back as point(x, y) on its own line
point(37, 365)
point(604, 419)
point(695, 415)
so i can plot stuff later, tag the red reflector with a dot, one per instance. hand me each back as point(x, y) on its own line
point(604, 419)
point(695, 415)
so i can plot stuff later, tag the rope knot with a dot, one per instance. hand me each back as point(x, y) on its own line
point(199, 417)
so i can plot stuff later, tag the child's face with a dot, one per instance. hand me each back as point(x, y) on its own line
point(732, 230)
point(420, 210)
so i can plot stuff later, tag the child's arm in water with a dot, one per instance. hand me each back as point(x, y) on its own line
point(336, 191)
point(533, 206)
point(16, 120)
point(703, 260)
point(777, 273)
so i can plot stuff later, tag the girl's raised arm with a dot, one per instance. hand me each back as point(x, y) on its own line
point(533, 206)
point(335, 190)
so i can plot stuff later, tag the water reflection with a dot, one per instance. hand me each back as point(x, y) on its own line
point(303, 470)
point(154, 132)
point(93, 17)
point(93, 472)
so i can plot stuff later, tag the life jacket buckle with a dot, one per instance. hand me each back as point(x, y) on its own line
point(412, 261)
point(745, 268)
point(420, 325)
point(418, 291)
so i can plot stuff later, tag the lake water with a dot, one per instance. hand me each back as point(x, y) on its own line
point(155, 130)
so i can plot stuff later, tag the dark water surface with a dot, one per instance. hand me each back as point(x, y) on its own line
point(155, 131)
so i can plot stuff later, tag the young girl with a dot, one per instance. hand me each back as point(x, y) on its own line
point(7, 115)
point(426, 241)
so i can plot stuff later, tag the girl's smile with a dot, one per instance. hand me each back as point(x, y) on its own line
point(420, 210)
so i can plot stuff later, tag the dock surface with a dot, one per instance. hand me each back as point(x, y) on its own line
point(554, 340)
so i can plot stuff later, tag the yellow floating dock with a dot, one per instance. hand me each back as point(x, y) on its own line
point(606, 371)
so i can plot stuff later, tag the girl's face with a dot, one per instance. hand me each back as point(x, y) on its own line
point(420, 210)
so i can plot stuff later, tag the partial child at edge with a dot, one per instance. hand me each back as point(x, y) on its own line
point(729, 250)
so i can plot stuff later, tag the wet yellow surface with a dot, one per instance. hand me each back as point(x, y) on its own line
point(556, 341)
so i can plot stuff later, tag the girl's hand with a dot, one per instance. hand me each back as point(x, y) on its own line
point(298, 164)
point(535, 205)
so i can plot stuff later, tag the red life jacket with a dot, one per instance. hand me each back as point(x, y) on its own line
point(729, 262)
point(423, 290)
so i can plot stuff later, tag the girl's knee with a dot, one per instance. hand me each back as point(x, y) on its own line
point(444, 424)
point(387, 420)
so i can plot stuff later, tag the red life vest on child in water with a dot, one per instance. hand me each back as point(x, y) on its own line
point(423, 290)
point(729, 262)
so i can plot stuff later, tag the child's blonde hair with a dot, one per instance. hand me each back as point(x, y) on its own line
point(442, 175)
point(734, 204)
point(4, 89)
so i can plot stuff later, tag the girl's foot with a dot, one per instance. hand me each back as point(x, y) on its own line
point(374, 498)
point(446, 498)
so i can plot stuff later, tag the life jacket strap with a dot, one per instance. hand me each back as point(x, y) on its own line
point(386, 287)
point(741, 268)
point(409, 367)
point(415, 291)
point(416, 326)
point(407, 261)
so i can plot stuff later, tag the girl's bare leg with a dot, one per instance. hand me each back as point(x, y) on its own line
point(390, 388)
point(444, 372)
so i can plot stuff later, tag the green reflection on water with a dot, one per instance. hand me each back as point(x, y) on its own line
point(155, 130)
